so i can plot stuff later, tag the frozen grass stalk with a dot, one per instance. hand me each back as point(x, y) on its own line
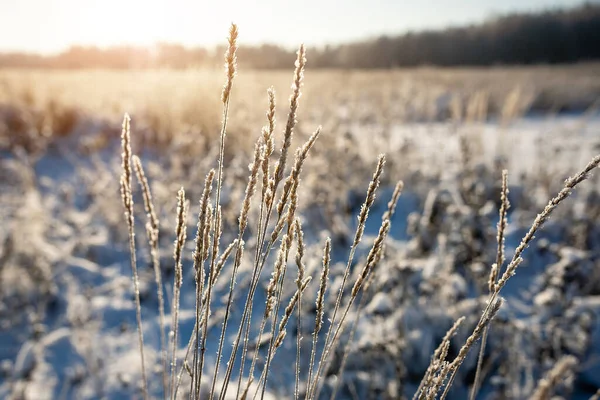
point(320, 304)
point(299, 282)
point(274, 303)
point(242, 224)
point(291, 184)
point(180, 236)
point(291, 121)
point(570, 184)
point(436, 360)
point(492, 304)
point(269, 194)
point(291, 187)
point(496, 267)
point(127, 198)
point(230, 69)
point(362, 218)
point(265, 204)
point(387, 216)
point(201, 248)
point(152, 230)
point(452, 368)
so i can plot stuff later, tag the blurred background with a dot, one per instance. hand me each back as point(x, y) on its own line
point(453, 91)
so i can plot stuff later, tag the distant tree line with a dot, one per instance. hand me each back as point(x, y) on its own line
point(554, 36)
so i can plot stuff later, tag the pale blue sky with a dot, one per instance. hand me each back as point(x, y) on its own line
point(52, 25)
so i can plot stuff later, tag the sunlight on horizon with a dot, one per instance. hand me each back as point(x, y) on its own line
point(54, 25)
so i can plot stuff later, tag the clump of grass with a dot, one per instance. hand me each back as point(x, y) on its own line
point(494, 301)
point(278, 222)
point(286, 224)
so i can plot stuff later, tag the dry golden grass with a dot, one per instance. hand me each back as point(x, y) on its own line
point(170, 102)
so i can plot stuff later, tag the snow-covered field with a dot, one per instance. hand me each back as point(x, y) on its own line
point(67, 315)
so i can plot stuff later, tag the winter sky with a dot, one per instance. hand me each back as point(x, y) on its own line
point(49, 26)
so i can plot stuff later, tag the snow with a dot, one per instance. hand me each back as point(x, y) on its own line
point(67, 310)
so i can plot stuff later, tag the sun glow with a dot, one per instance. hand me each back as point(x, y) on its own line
point(58, 24)
point(140, 22)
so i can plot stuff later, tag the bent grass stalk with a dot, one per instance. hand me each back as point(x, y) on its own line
point(516, 260)
point(387, 216)
point(362, 218)
point(452, 368)
point(374, 256)
point(436, 360)
point(152, 230)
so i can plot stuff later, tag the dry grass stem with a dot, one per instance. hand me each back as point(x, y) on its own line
point(301, 272)
point(436, 360)
point(127, 198)
point(292, 181)
point(362, 218)
point(547, 384)
point(289, 310)
point(496, 267)
point(276, 303)
point(453, 367)
point(320, 307)
point(570, 184)
point(391, 210)
point(230, 63)
point(230, 67)
point(263, 221)
point(385, 219)
point(180, 236)
point(502, 223)
point(374, 254)
point(493, 302)
point(251, 187)
point(291, 121)
point(152, 230)
point(243, 223)
point(201, 250)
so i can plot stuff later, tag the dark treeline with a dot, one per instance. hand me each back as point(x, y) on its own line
point(556, 36)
